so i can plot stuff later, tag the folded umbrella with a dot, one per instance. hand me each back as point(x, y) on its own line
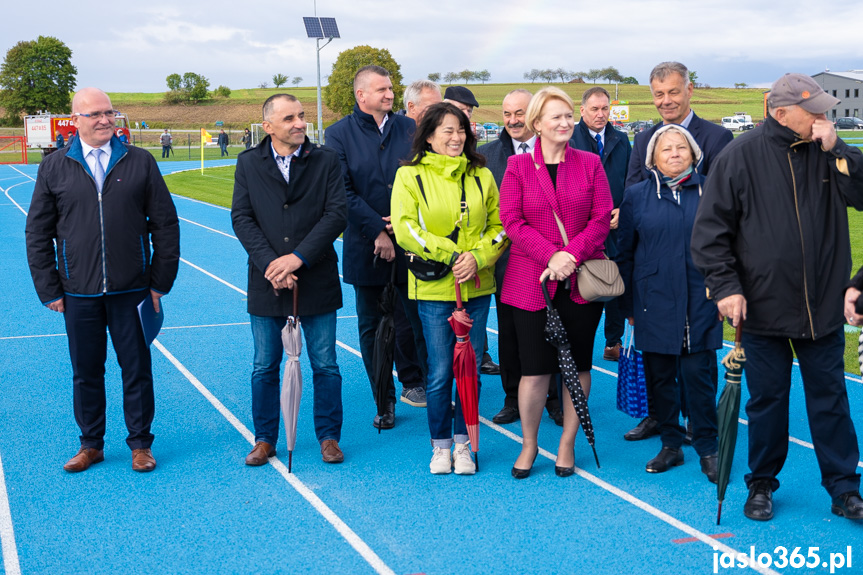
point(555, 334)
point(292, 381)
point(465, 370)
point(385, 344)
point(728, 412)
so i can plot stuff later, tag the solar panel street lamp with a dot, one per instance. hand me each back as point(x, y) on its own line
point(320, 28)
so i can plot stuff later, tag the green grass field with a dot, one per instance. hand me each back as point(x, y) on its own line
point(216, 186)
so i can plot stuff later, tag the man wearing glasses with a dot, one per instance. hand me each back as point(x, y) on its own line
point(103, 203)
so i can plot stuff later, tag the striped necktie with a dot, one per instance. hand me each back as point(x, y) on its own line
point(599, 144)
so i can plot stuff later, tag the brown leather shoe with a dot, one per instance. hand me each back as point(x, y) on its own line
point(330, 451)
point(142, 460)
point(612, 353)
point(260, 454)
point(85, 457)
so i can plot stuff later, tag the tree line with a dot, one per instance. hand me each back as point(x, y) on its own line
point(610, 74)
point(466, 76)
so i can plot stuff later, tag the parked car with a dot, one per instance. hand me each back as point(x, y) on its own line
point(640, 126)
point(737, 123)
point(849, 124)
point(491, 129)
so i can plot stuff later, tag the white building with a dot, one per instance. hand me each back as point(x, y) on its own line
point(848, 87)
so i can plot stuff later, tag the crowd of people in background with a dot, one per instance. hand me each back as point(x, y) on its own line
point(701, 227)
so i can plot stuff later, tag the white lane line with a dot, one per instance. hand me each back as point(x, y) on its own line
point(206, 325)
point(32, 336)
point(22, 173)
point(7, 532)
point(17, 205)
point(218, 279)
point(350, 536)
point(644, 506)
point(208, 228)
point(193, 200)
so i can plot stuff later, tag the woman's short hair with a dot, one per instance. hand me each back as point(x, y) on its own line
point(653, 144)
point(433, 118)
point(538, 102)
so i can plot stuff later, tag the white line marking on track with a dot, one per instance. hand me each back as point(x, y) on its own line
point(352, 538)
point(208, 228)
point(193, 200)
point(32, 336)
point(644, 506)
point(7, 532)
point(17, 205)
point(218, 279)
point(22, 173)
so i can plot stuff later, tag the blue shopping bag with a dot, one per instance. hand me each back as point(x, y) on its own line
point(631, 385)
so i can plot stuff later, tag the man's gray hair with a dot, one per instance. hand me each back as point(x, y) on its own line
point(520, 91)
point(365, 72)
point(414, 91)
point(267, 110)
point(590, 92)
point(662, 71)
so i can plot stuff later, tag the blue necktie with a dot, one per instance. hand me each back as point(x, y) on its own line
point(599, 144)
point(98, 170)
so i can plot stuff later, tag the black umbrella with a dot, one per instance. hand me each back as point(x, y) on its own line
point(728, 411)
point(555, 334)
point(385, 343)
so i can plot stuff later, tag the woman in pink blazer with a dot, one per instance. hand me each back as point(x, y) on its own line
point(554, 180)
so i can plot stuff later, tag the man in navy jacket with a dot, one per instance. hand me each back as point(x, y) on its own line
point(103, 203)
point(371, 143)
point(672, 91)
point(594, 130)
point(288, 209)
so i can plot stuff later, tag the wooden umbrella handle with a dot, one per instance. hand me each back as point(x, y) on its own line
point(738, 334)
point(295, 290)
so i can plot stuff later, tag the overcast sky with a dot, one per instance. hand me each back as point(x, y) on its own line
point(132, 47)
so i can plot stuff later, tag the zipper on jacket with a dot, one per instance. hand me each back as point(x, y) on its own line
point(102, 225)
point(802, 247)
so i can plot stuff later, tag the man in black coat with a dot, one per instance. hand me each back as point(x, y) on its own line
point(771, 238)
point(103, 203)
point(288, 208)
point(595, 134)
point(672, 91)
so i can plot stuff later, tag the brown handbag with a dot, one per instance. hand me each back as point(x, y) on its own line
point(599, 279)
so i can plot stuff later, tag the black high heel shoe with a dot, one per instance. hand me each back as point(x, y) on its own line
point(524, 473)
point(565, 471)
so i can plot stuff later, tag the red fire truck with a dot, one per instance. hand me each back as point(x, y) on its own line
point(41, 130)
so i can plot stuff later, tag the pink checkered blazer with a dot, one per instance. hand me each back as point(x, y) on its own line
point(528, 202)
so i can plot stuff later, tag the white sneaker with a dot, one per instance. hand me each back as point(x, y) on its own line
point(441, 462)
point(464, 464)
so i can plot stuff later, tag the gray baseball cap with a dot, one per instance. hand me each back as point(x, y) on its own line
point(800, 90)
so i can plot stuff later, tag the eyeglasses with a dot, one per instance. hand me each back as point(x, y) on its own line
point(110, 114)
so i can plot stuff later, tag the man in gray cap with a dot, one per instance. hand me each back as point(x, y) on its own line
point(461, 98)
point(771, 238)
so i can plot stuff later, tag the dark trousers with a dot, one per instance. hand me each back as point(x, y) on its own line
point(693, 374)
point(410, 352)
point(86, 321)
point(768, 378)
point(223, 149)
point(613, 315)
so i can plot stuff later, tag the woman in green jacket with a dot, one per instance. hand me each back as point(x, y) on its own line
point(444, 185)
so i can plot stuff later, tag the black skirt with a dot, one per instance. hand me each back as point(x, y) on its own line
point(537, 356)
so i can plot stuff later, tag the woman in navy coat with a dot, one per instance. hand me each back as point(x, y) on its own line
point(676, 327)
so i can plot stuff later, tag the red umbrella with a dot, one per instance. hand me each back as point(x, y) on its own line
point(465, 371)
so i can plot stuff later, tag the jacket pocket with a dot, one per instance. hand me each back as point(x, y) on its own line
point(144, 254)
point(645, 278)
point(63, 260)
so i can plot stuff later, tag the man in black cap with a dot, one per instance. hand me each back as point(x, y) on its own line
point(461, 98)
point(771, 238)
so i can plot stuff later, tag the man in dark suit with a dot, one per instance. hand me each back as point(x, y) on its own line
point(672, 91)
point(102, 203)
point(288, 208)
point(594, 133)
point(515, 138)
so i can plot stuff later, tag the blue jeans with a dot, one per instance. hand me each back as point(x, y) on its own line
point(440, 342)
point(319, 332)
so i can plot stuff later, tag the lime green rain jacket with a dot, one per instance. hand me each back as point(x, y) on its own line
point(421, 223)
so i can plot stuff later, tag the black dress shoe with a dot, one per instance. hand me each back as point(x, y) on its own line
point(848, 505)
point(506, 415)
point(647, 428)
point(759, 504)
point(564, 471)
point(709, 467)
point(388, 421)
point(666, 459)
point(488, 366)
point(557, 415)
point(524, 473)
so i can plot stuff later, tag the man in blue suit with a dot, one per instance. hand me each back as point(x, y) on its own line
point(595, 134)
point(672, 91)
point(371, 142)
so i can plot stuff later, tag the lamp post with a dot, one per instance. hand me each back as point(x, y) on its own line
point(320, 28)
